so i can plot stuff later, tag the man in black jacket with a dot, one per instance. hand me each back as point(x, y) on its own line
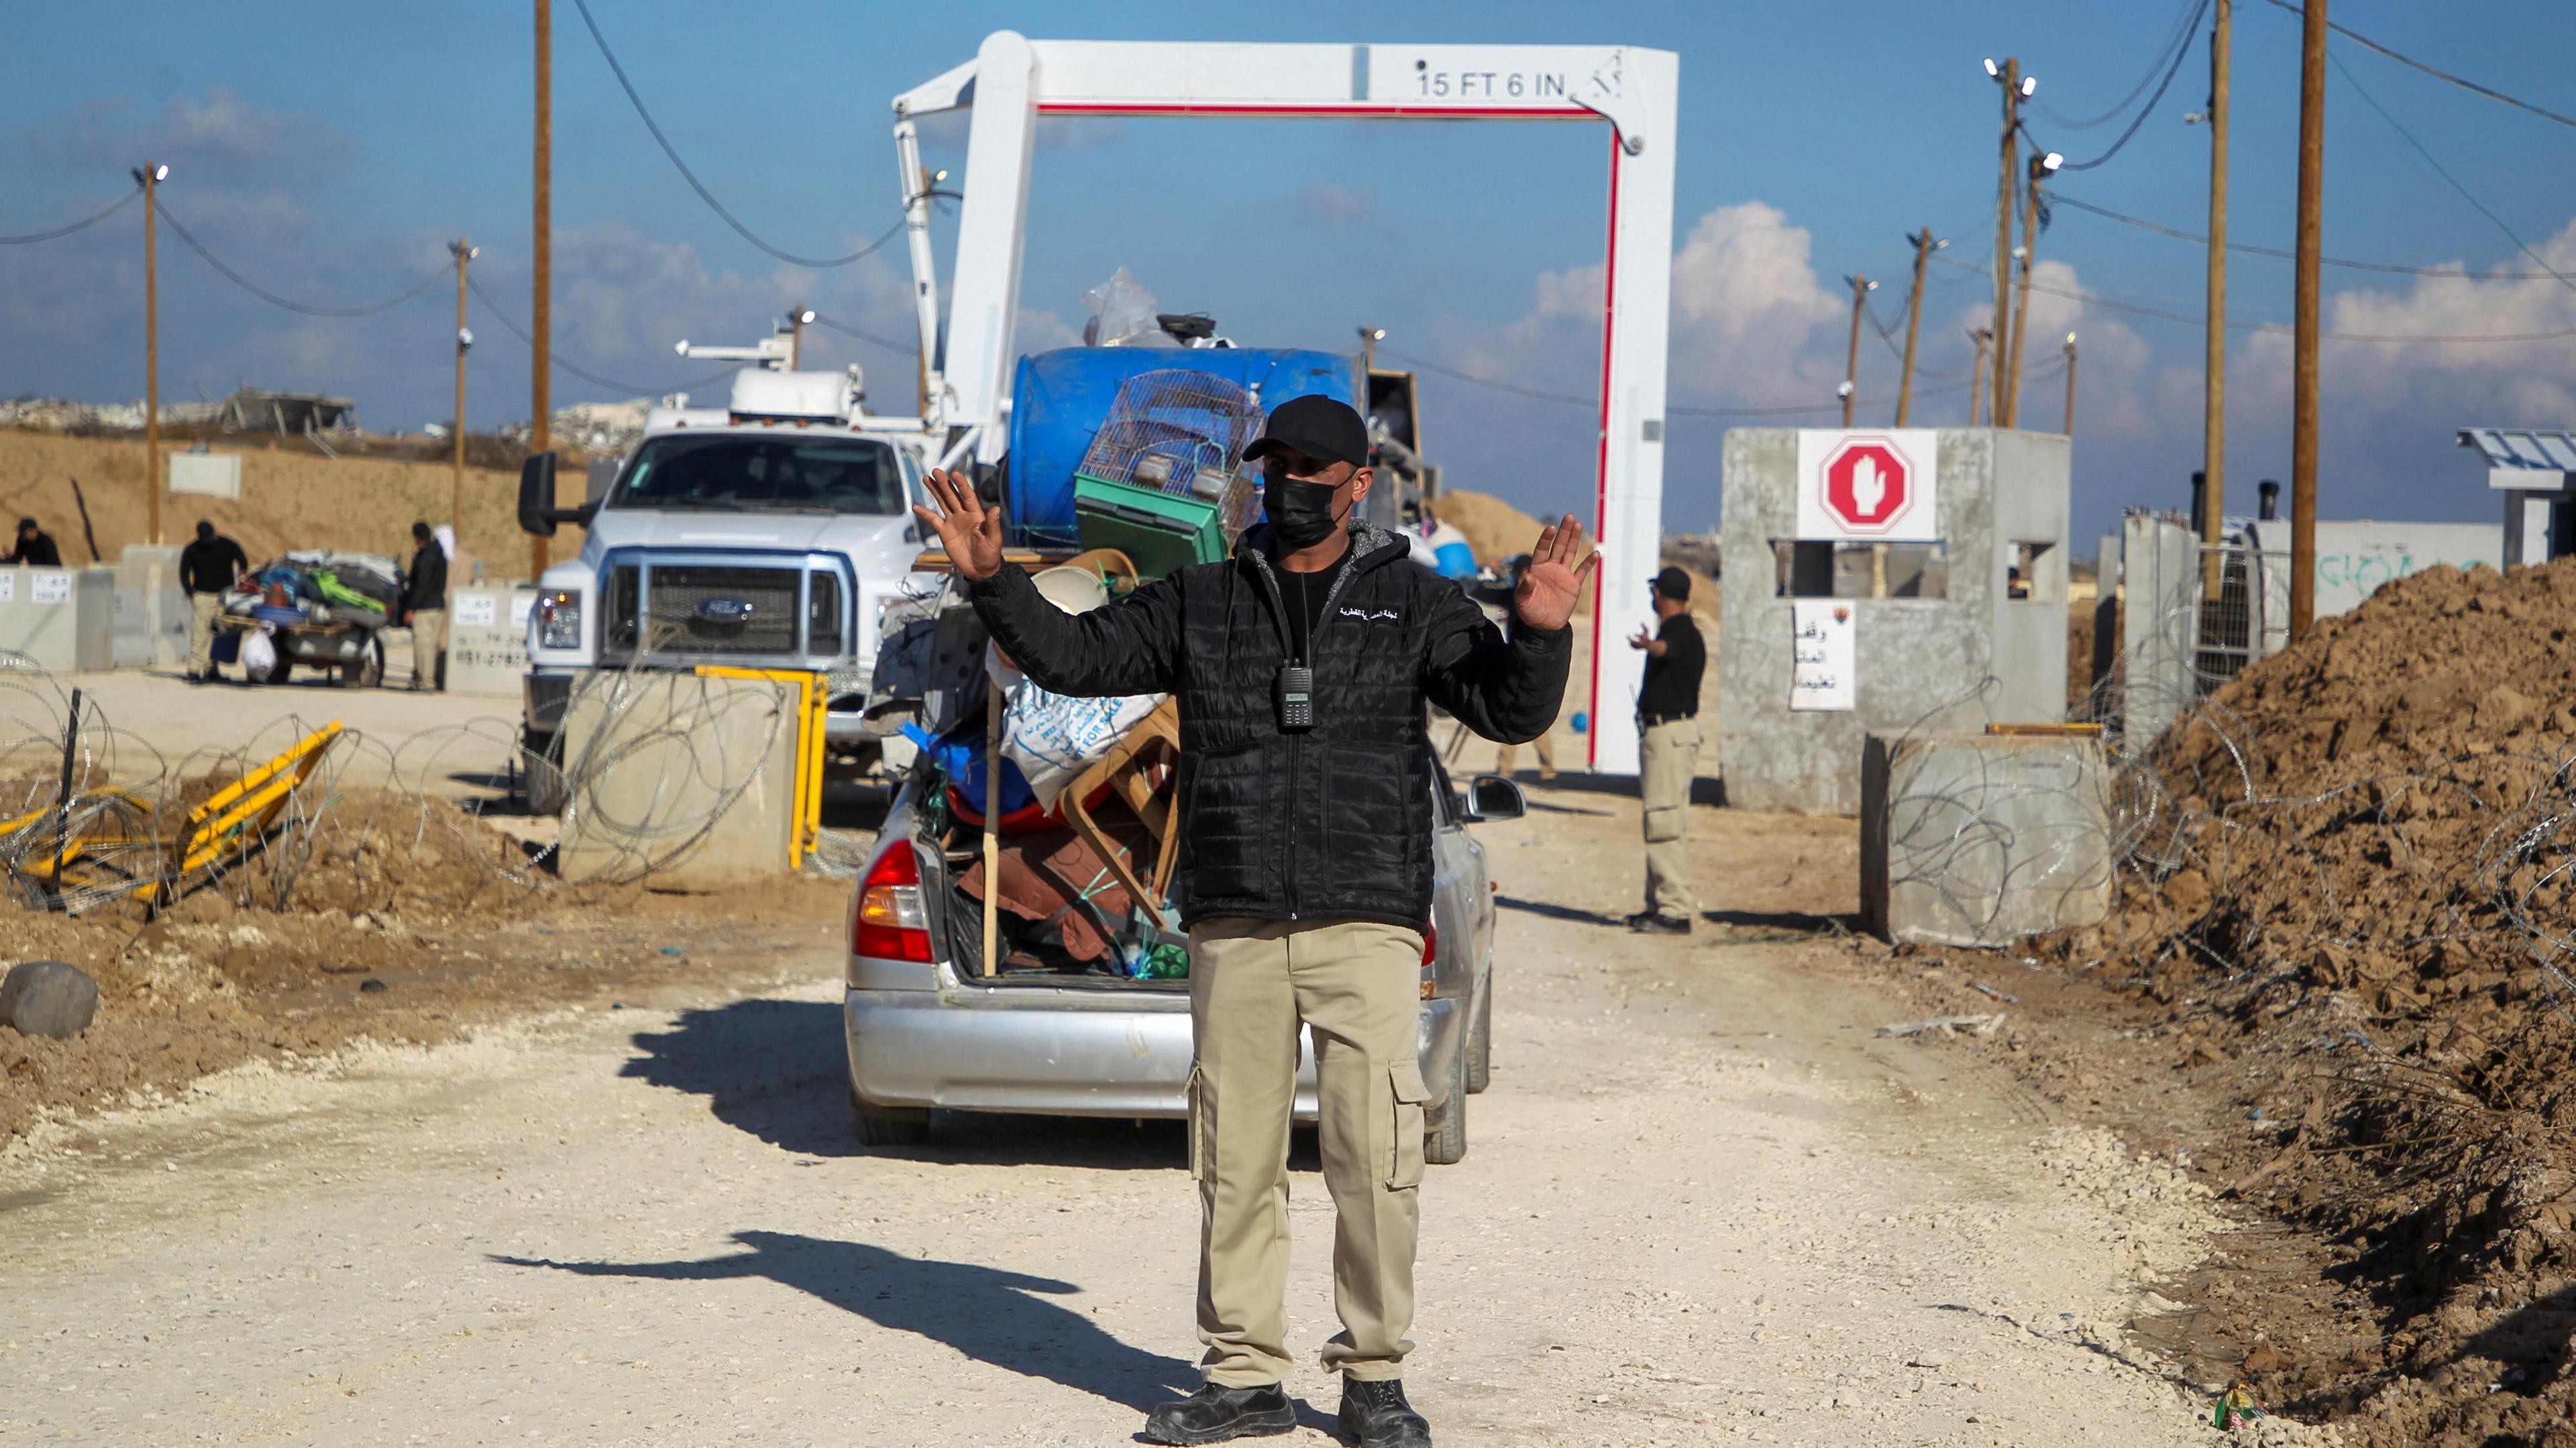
point(424, 606)
point(1302, 666)
point(35, 547)
point(208, 568)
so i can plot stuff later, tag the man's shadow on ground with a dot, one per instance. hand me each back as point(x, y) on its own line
point(990, 1315)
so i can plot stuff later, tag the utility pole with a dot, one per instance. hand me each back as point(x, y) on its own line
point(1861, 288)
point(151, 174)
point(2039, 166)
point(2070, 384)
point(1977, 374)
point(2303, 342)
point(1369, 338)
point(2213, 403)
point(1924, 246)
point(2007, 177)
point(464, 254)
point(542, 239)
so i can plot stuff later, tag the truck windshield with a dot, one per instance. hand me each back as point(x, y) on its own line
point(743, 474)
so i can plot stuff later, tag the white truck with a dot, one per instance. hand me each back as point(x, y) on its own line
point(769, 533)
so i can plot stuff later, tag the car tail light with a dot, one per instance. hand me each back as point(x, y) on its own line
point(893, 923)
point(1430, 945)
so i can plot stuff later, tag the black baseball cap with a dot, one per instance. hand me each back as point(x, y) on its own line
point(1326, 429)
point(1672, 583)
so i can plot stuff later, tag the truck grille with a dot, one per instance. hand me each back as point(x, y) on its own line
point(705, 611)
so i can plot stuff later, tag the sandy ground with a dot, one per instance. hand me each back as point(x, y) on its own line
point(1702, 1203)
point(443, 744)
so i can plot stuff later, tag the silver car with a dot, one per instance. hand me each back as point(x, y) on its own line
point(923, 1035)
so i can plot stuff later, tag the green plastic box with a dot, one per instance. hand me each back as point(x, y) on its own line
point(1158, 531)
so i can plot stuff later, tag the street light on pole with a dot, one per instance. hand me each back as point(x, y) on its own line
point(149, 176)
point(464, 253)
point(2009, 402)
point(796, 320)
point(1369, 338)
point(1861, 288)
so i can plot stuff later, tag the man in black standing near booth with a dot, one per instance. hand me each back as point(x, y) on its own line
point(1668, 754)
point(1302, 666)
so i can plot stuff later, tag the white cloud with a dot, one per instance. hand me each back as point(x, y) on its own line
point(1330, 204)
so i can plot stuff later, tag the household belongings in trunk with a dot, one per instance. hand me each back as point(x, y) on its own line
point(1087, 836)
point(1163, 481)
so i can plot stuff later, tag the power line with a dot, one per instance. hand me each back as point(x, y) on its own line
point(2436, 72)
point(718, 207)
point(274, 300)
point(584, 373)
point(93, 219)
point(906, 348)
point(1572, 400)
point(2152, 101)
point(2439, 170)
point(2185, 20)
point(2179, 234)
point(2111, 304)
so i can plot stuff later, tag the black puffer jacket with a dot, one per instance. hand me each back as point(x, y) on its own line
point(1329, 823)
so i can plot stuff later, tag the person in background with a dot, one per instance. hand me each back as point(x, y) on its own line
point(424, 606)
point(1668, 757)
point(35, 547)
point(207, 567)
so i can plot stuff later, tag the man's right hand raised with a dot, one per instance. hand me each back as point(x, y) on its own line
point(970, 532)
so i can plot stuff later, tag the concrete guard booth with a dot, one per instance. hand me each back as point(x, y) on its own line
point(2533, 468)
point(1892, 582)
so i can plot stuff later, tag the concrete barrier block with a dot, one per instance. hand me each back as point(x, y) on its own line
point(62, 618)
point(687, 782)
point(487, 639)
point(1982, 839)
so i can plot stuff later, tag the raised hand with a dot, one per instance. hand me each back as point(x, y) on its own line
point(971, 532)
point(1544, 597)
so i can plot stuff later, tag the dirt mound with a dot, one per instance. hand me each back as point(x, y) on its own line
point(1494, 528)
point(2356, 870)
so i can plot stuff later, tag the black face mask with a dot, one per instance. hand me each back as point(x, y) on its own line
point(1301, 513)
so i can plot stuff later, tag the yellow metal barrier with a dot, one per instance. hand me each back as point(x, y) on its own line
point(813, 704)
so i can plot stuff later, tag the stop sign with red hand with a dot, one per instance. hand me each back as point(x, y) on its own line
point(1868, 485)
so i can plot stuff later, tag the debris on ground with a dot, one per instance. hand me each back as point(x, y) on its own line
point(2349, 913)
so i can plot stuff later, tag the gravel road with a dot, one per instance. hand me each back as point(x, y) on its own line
point(1703, 1203)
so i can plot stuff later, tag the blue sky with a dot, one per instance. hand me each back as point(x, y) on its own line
point(330, 151)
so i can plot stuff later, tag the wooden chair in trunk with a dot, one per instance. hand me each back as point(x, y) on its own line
point(1130, 771)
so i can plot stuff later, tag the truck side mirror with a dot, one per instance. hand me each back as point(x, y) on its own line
point(537, 495)
point(538, 514)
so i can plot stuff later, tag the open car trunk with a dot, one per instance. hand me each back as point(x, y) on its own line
point(1064, 918)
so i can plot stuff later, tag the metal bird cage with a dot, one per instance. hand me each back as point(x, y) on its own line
point(1183, 433)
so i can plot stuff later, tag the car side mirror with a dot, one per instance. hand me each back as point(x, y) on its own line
point(537, 511)
point(1491, 797)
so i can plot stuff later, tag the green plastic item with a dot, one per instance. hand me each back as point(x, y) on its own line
point(1158, 531)
point(341, 595)
point(1168, 962)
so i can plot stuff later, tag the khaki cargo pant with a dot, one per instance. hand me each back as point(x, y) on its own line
point(428, 641)
point(1668, 759)
point(203, 610)
point(1357, 986)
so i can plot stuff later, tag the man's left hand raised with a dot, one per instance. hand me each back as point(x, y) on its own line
point(1553, 578)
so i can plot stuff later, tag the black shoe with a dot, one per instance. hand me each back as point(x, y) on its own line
point(1375, 1415)
point(1655, 922)
point(1214, 1414)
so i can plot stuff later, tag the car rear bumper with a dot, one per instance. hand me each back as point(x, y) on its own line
point(989, 1053)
